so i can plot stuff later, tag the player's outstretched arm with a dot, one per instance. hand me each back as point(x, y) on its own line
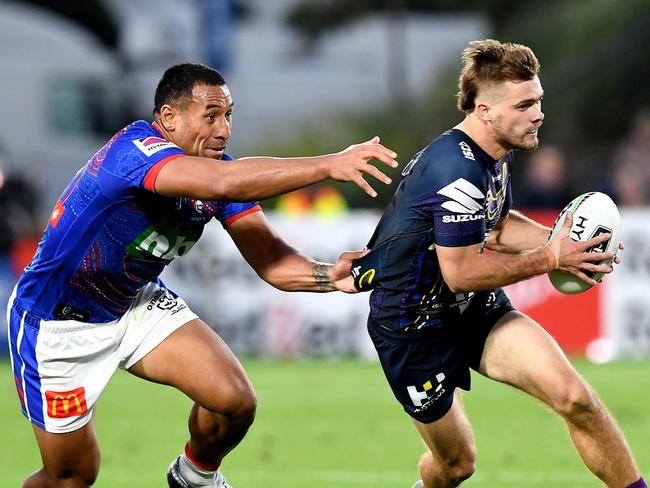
point(257, 178)
point(282, 266)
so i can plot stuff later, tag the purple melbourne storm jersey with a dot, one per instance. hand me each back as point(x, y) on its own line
point(110, 233)
point(452, 194)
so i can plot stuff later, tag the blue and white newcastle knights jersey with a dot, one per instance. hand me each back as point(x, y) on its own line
point(110, 233)
point(452, 194)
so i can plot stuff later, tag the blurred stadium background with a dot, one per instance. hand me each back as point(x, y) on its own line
point(310, 77)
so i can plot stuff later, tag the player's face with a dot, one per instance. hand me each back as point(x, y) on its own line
point(205, 122)
point(517, 114)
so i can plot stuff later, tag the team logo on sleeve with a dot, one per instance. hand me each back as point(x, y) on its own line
point(465, 200)
point(151, 145)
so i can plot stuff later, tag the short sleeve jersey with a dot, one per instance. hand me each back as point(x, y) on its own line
point(110, 233)
point(452, 194)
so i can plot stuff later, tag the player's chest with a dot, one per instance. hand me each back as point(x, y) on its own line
point(496, 193)
point(167, 228)
point(192, 211)
point(183, 211)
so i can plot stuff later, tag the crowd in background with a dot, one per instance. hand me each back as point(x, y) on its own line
point(20, 219)
point(625, 175)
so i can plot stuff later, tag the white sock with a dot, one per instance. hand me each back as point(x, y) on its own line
point(195, 476)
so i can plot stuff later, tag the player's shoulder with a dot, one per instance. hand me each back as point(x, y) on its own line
point(136, 130)
point(144, 137)
point(138, 145)
point(452, 147)
point(450, 156)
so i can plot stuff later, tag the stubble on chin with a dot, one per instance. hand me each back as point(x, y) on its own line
point(521, 145)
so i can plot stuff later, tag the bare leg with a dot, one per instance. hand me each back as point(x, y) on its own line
point(451, 457)
point(196, 361)
point(522, 354)
point(70, 460)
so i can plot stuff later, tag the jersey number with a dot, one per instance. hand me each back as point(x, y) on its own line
point(409, 167)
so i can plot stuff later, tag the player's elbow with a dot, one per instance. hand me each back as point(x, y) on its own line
point(224, 188)
point(457, 282)
point(279, 279)
point(459, 288)
point(274, 273)
point(219, 189)
point(269, 276)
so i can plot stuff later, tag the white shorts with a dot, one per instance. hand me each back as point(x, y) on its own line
point(61, 367)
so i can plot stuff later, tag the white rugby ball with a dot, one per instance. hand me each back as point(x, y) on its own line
point(594, 213)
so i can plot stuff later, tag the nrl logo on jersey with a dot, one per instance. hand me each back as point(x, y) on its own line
point(465, 200)
point(151, 145)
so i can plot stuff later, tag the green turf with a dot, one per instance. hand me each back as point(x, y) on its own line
point(335, 424)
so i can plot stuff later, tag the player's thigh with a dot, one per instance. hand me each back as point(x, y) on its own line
point(71, 454)
point(196, 361)
point(450, 438)
point(519, 352)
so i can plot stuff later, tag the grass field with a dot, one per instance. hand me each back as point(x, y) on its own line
point(332, 424)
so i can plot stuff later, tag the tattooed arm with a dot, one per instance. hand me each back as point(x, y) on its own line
point(284, 267)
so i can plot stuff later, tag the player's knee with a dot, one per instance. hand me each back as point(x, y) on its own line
point(454, 469)
point(65, 478)
point(576, 401)
point(237, 402)
point(461, 468)
point(245, 408)
point(80, 481)
point(426, 466)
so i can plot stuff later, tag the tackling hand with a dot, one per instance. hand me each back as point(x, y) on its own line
point(340, 271)
point(351, 163)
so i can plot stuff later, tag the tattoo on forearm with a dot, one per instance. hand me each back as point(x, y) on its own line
point(322, 278)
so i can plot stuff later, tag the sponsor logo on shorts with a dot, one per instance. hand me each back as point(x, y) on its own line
point(151, 145)
point(164, 301)
point(425, 398)
point(63, 404)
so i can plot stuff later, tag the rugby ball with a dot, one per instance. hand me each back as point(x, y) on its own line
point(594, 213)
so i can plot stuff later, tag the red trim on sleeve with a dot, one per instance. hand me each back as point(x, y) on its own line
point(151, 176)
point(231, 220)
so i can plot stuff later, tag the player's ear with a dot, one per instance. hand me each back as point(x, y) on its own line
point(167, 117)
point(483, 111)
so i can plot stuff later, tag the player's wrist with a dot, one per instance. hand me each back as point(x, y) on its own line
point(327, 164)
point(552, 260)
point(322, 277)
